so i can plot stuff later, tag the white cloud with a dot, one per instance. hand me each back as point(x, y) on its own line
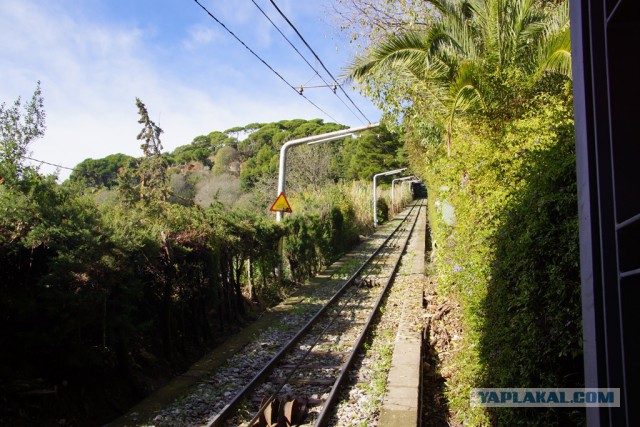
point(200, 35)
point(92, 70)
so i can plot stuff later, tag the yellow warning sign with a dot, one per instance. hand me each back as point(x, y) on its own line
point(281, 204)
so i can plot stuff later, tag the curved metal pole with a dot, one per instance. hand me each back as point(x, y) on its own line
point(315, 139)
point(375, 200)
point(393, 184)
point(282, 170)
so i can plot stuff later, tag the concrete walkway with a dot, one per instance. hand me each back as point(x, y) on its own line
point(401, 404)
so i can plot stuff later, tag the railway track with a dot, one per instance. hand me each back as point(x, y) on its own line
point(300, 383)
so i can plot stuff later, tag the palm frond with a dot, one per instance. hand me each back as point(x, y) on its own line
point(555, 56)
point(397, 51)
point(466, 90)
point(465, 94)
point(554, 49)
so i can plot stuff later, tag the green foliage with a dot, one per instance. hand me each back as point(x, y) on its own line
point(372, 152)
point(102, 172)
point(314, 241)
point(511, 257)
point(483, 98)
point(150, 184)
point(19, 127)
point(149, 134)
point(534, 294)
point(476, 58)
point(201, 149)
point(264, 163)
point(382, 211)
point(224, 159)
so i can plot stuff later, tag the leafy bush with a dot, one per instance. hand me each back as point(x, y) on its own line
point(532, 323)
point(510, 255)
point(99, 286)
point(101, 172)
point(382, 213)
point(313, 242)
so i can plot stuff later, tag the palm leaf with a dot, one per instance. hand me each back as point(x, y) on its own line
point(554, 49)
point(465, 95)
point(406, 50)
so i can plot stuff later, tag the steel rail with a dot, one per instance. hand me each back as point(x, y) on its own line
point(333, 394)
point(393, 237)
point(228, 409)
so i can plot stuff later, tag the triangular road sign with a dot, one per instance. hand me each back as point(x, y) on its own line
point(281, 204)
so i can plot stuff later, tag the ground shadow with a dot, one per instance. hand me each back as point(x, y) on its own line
point(434, 405)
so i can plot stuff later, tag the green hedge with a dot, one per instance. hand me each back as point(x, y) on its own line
point(503, 214)
point(91, 294)
point(313, 241)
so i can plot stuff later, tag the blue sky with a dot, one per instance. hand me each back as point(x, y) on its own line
point(94, 57)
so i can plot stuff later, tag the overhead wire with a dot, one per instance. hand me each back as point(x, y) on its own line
point(262, 60)
point(47, 163)
point(317, 57)
point(329, 85)
point(305, 60)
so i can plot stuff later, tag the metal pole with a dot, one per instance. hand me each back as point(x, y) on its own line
point(393, 183)
point(375, 200)
point(393, 198)
point(315, 139)
point(282, 172)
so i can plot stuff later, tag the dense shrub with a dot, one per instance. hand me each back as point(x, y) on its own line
point(92, 294)
point(508, 250)
point(382, 213)
point(313, 242)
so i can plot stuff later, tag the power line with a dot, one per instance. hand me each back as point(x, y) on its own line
point(305, 60)
point(317, 57)
point(47, 163)
point(262, 60)
point(333, 87)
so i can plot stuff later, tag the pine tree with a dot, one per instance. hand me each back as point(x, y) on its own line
point(152, 169)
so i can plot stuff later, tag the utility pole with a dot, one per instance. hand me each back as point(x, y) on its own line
point(375, 185)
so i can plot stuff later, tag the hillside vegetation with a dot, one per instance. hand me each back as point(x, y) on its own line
point(130, 270)
point(481, 91)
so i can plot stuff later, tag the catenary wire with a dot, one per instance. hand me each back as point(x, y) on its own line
point(305, 60)
point(262, 60)
point(304, 86)
point(317, 57)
